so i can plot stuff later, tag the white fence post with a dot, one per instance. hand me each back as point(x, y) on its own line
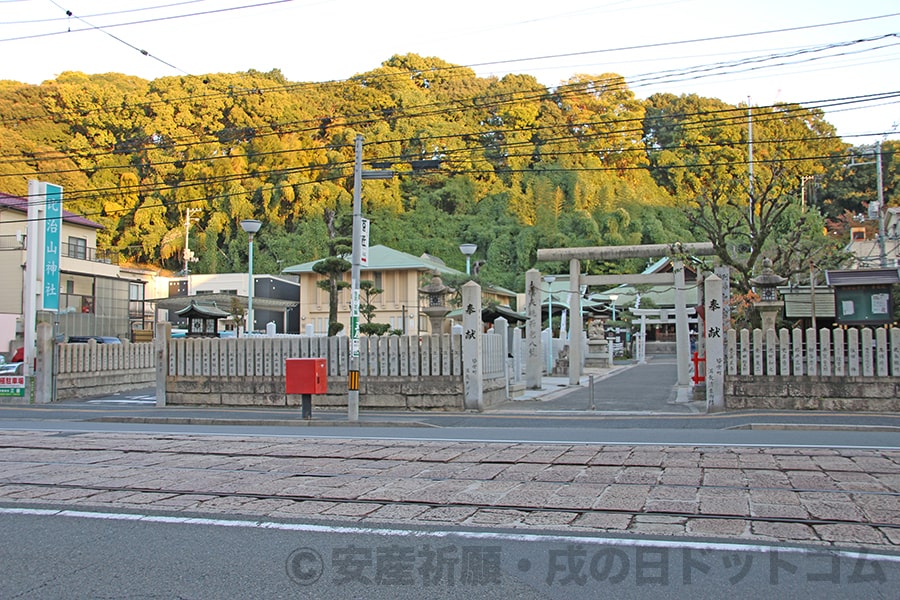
point(812, 360)
point(757, 352)
point(784, 351)
point(771, 353)
point(853, 352)
point(797, 350)
point(731, 336)
point(895, 352)
point(881, 354)
point(827, 361)
point(868, 358)
point(840, 355)
point(745, 352)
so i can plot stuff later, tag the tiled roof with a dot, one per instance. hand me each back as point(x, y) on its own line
point(20, 204)
point(382, 258)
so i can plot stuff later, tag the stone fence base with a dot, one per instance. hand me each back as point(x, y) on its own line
point(397, 393)
point(71, 386)
point(870, 394)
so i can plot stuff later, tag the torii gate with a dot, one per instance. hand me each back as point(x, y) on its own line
point(575, 256)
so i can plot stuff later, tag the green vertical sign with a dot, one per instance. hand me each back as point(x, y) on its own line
point(52, 239)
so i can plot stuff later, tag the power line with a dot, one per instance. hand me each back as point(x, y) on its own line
point(145, 21)
point(118, 39)
point(683, 42)
point(653, 78)
point(733, 114)
point(484, 102)
point(104, 14)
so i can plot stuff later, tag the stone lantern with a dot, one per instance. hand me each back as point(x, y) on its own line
point(436, 308)
point(769, 304)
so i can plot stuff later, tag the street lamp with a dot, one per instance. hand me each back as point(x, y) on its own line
point(468, 250)
point(251, 226)
point(549, 279)
point(612, 300)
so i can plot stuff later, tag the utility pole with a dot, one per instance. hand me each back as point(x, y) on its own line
point(356, 256)
point(356, 266)
point(804, 180)
point(750, 139)
point(882, 243)
point(188, 254)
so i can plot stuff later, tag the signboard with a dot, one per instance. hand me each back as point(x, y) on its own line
point(363, 242)
point(863, 305)
point(354, 324)
point(12, 385)
point(52, 239)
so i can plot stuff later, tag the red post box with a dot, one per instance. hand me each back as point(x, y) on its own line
point(305, 376)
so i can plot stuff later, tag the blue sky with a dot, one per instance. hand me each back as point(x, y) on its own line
point(649, 42)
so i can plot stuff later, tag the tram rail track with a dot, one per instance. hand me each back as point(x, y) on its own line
point(435, 479)
point(473, 505)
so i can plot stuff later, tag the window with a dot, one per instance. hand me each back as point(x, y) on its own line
point(136, 300)
point(77, 248)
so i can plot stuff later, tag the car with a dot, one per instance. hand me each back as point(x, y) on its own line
point(11, 368)
point(100, 339)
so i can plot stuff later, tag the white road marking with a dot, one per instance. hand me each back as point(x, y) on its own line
point(122, 401)
point(481, 535)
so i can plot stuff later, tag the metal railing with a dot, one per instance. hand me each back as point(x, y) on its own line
point(79, 252)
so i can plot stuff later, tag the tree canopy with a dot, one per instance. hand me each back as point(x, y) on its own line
point(514, 166)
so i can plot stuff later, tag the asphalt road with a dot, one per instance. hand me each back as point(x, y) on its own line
point(67, 554)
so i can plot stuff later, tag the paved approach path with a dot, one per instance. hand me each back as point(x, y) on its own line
point(627, 387)
point(830, 496)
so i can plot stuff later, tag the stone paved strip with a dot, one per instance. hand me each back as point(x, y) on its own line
point(820, 496)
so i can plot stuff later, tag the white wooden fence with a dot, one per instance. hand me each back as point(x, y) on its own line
point(389, 356)
point(93, 357)
point(838, 352)
point(83, 370)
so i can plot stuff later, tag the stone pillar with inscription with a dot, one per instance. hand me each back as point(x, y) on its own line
point(162, 335)
point(715, 344)
point(533, 363)
point(473, 379)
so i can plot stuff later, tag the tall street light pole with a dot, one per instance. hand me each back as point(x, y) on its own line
point(468, 250)
point(251, 226)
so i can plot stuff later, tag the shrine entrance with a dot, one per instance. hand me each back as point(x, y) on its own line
point(574, 256)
